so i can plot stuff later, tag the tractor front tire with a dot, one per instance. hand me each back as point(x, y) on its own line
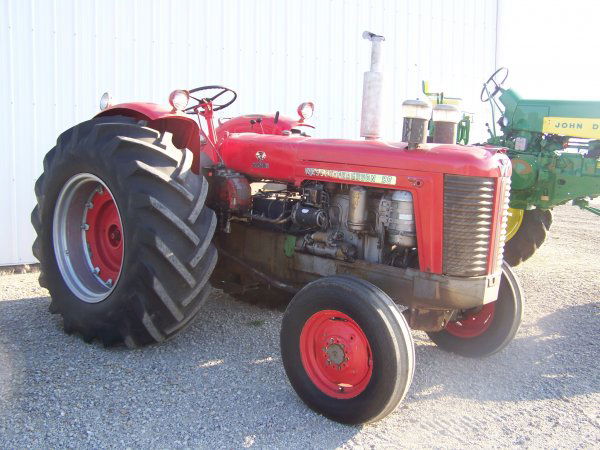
point(530, 236)
point(347, 350)
point(487, 330)
point(123, 235)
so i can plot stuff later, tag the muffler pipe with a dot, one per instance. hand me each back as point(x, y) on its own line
point(372, 101)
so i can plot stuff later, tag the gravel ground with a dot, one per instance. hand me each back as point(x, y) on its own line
point(221, 383)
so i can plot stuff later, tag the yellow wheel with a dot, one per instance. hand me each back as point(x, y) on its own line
point(515, 218)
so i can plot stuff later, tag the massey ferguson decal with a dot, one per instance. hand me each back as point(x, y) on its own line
point(351, 176)
point(260, 164)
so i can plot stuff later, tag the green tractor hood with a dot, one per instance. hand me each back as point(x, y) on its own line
point(563, 117)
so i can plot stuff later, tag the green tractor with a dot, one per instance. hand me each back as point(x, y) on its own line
point(554, 147)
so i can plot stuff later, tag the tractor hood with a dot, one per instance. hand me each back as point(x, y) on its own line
point(291, 158)
point(551, 116)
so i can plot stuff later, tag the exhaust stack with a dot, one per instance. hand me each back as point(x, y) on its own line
point(370, 120)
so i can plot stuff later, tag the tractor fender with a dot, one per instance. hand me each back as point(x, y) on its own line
point(185, 130)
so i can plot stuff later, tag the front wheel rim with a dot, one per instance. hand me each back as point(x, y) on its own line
point(473, 324)
point(336, 354)
point(88, 237)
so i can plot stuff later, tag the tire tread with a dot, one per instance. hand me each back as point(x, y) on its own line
point(164, 196)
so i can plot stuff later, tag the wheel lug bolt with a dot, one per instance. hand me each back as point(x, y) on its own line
point(109, 282)
point(85, 226)
point(96, 270)
point(89, 205)
point(331, 341)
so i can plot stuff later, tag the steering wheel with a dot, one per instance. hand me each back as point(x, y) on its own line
point(493, 82)
point(222, 90)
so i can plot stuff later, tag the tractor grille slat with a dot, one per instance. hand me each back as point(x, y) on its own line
point(468, 220)
point(499, 256)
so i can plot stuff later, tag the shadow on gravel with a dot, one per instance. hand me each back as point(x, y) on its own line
point(219, 383)
point(559, 363)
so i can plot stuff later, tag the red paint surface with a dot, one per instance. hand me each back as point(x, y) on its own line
point(150, 111)
point(324, 330)
point(267, 124)
point(288, 157)
point(105, 236)
point(473, 325)
point(237, 141)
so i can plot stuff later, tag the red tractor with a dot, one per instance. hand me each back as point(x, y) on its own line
point(135, 204)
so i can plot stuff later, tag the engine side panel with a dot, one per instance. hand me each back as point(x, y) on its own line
point(369, 163)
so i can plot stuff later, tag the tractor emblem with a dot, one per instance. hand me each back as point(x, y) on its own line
point(260, 164)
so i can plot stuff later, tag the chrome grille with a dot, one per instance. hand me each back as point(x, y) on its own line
point(503, 219)
point(468, 219)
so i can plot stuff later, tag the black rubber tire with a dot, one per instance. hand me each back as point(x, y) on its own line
point(508, 314)
point(168, 255)
point(385, 328)
point(529, 237)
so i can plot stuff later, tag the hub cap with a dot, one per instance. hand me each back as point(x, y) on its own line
point(88, 237)
point(336, 354)
point(473, 324)
point(513, 223)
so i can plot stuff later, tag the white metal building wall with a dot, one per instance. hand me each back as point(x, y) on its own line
point(58, 56)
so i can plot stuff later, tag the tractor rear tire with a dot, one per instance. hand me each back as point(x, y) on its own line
point(491, 328)
point(530, 236)
point(138, 272)
point(347, 350)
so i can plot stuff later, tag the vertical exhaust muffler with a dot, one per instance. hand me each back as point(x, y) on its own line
point(372, 101)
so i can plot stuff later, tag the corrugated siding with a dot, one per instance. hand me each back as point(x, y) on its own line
point(57, 58)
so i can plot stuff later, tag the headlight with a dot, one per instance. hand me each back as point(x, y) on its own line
point(306, 109)
point(105, 101)
point(179, 99)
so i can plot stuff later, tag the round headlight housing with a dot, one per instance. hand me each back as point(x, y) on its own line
point(179, 99)
point(306, 110)
point(105, 101)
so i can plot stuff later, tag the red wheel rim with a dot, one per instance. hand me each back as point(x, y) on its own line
point(473, 324)
point(104, 235)
point(336, 354)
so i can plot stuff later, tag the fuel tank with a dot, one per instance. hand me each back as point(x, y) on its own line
point(257, 123)
point(294, 159)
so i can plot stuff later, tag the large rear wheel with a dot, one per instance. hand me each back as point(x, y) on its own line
point(526, 232)
point(347, 349)
point(486, 330)
point(124, 238)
